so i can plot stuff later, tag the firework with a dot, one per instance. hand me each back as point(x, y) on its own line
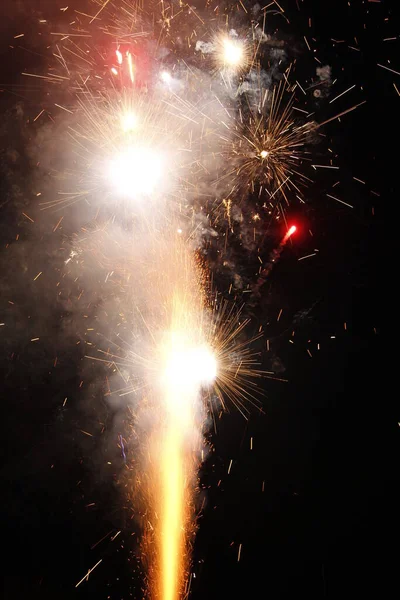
point(231, 53)
point(272, 260)
point(183, 354)
point(163, 128)
point(183, 359)
point(289, 233)
point(125, 147)
point(268, 147)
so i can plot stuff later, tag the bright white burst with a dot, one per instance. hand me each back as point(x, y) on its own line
point(233, 52)
point(191, 367)
point(136, 172)
point(166, 77)
point(129, 122)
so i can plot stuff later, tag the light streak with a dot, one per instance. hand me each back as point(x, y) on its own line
point(185, 369)
point(289, 233)
point(130, 66)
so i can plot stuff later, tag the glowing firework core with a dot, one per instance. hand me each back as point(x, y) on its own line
point(191, 367)
point(129, 121)
point(166, 77)
point(136, 172)
point(233, 54)
point(264, 153)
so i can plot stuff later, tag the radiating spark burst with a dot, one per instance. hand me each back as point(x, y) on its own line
point(223, 351)
point(268, 147)
point(231, 52)
point(125, 146)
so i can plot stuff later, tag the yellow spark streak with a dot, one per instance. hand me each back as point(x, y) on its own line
point(130, 65)
point(99, 11)
point(172, 516)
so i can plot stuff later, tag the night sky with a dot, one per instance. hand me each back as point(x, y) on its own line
point(305, 489)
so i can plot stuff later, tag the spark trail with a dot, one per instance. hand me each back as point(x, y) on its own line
point(273, 258)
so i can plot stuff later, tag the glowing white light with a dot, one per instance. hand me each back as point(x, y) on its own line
point(233, 52)
point(128, 122)
point(264, 153)
point(191, 367)
point(166, 77)
point(136, 172)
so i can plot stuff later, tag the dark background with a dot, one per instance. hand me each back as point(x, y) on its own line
point(313, 504)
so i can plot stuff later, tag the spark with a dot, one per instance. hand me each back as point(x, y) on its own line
point(86, 577)
point(100, 9)
point(130, 67)
point(239, 552)
point(341, 201)
point(291, 231)
point(308, 256)
point(38, 115)
point(388, 69)
point(268, 148)
point(342, 94)
point(63, 108)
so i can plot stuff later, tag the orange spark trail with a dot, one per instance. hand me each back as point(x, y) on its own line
point(172, 516)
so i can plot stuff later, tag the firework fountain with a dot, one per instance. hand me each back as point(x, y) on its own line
point(170, 122)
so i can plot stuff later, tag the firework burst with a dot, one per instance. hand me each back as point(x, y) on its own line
point(268, 147)
point(125, 148)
